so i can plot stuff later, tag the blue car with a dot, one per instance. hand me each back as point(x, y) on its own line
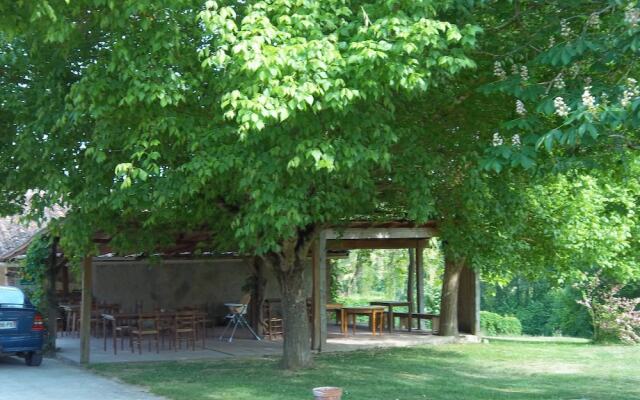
point(21, 326)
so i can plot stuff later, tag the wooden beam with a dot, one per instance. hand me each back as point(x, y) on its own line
point(351, 244)
point(420, 280)
point(85, 310)
point(381, 233)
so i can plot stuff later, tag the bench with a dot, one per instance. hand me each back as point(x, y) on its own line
point(434, 318)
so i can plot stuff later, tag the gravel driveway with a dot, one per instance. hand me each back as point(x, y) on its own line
point(55, 380)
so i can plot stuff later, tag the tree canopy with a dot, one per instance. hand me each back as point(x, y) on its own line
point(265, 120)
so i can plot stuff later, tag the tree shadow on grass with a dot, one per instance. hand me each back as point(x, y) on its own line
point(457, 372)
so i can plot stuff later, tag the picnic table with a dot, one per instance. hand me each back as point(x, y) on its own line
point(375, 313)
point(390, 304)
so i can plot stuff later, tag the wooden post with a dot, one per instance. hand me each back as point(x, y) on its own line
point(330, 282)
point(419, 280)
point(65, 281)
point(85, 310)
point(315, 325)
point(323, 290)
point(410, 285)
point(319, 267)
point(469, 302)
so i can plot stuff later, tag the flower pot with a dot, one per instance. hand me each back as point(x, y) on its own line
point(327, 393)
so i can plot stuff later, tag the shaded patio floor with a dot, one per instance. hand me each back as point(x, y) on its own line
point(244, 347)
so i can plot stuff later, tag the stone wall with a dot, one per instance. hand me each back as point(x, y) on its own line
point(176, 283)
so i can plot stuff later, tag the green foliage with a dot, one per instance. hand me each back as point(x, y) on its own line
point(558, 227)
point(576, 78)
point(493, 324)
point(264, 119)
point(34, 269)
point(543, 309)
point(368, 275)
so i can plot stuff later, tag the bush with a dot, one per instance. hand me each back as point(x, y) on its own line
point(614, 318)
point(493, 324)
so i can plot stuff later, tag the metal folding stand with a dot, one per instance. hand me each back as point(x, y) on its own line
point(236, 317)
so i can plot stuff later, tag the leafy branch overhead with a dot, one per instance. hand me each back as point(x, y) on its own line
point(284, 110)
point(284, 60)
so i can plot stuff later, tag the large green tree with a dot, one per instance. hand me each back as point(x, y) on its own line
point(535, 106)
point(262, 120)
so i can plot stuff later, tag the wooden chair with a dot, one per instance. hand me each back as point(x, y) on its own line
point(184, 329)
point(119, 327)
point(272, 323)
point(123, 329)
point(202, 320)
point(147, 325)
point(166, 325)
point(96, 317)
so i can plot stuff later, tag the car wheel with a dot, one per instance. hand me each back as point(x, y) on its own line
point(33, 359)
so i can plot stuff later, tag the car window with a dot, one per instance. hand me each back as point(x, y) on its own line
point(11, 296)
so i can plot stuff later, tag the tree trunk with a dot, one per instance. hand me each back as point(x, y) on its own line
point(52, 298)
point(289, 265)
point(297, 345)
point(449, 302)
point(257, 295)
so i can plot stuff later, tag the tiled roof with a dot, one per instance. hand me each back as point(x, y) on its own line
point(15, 233)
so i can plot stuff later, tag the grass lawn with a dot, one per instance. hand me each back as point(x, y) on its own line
point(501, 370)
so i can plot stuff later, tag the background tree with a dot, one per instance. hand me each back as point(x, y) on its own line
point(570, 71)
point(39, 271)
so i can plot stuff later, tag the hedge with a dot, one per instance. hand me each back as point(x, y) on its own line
point(493, 324)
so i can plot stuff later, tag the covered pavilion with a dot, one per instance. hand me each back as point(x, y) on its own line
point(331, 241)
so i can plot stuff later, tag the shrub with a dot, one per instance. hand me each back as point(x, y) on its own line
point(510, 326)
point(614, 318)
point(493, 324)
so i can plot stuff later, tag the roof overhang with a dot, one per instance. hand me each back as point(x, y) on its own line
point(386, 235)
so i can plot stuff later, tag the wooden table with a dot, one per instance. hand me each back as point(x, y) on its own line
point(390, 305)
point(374, 312)
point(337, 308)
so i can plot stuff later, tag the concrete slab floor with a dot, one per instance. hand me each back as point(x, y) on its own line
point(246, 347)
point(56, 380)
